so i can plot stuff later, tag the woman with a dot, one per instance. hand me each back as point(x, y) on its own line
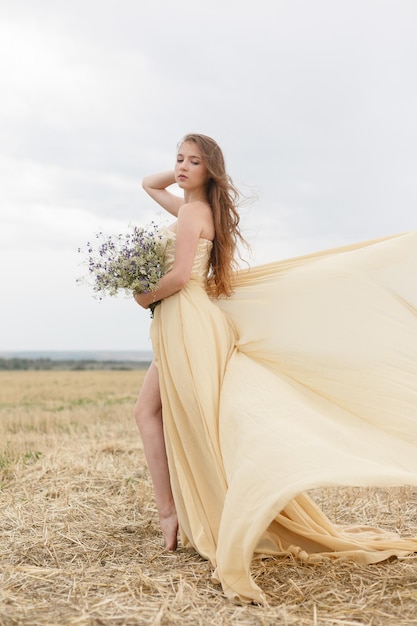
point(208, 206)
point(289, 376)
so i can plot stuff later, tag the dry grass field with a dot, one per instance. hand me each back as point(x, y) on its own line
point(80, 544)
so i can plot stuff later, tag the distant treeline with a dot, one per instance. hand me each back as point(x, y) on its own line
point(52, 364)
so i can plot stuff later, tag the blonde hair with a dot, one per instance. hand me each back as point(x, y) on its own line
point(223, 198)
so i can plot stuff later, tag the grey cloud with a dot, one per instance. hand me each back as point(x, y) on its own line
point(313, 103)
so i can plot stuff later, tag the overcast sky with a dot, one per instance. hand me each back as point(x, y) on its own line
point(313, 102)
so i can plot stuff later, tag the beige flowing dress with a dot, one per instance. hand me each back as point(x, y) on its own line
point(306, 377)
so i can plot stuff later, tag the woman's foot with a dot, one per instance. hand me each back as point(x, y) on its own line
point(169, 527)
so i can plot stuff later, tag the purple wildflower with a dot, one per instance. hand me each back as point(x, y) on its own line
point(133, 262)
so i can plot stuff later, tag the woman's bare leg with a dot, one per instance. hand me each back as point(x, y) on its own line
point(148, 416)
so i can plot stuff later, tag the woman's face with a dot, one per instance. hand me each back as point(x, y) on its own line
point(190, 169)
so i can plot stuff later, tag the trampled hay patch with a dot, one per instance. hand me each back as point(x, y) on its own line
point(80, 541)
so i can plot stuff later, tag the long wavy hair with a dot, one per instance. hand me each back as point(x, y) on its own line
point(223, 198)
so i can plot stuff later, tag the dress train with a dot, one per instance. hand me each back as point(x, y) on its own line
point(306, 377)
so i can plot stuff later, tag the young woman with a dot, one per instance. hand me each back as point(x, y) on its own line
point(272, 381)
point(206, 219)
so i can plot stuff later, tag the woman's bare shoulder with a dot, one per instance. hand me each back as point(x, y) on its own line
point(199, 214)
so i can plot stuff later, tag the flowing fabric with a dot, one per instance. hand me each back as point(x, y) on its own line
point(306, 377)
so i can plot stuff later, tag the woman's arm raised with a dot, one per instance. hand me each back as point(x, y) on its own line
point(156, 186)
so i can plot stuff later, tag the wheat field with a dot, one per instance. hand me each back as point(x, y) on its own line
point(80, 542)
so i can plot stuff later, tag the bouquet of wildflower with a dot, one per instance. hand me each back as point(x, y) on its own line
point(133, 262)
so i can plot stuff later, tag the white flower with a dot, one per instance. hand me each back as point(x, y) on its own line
point(133, 262)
